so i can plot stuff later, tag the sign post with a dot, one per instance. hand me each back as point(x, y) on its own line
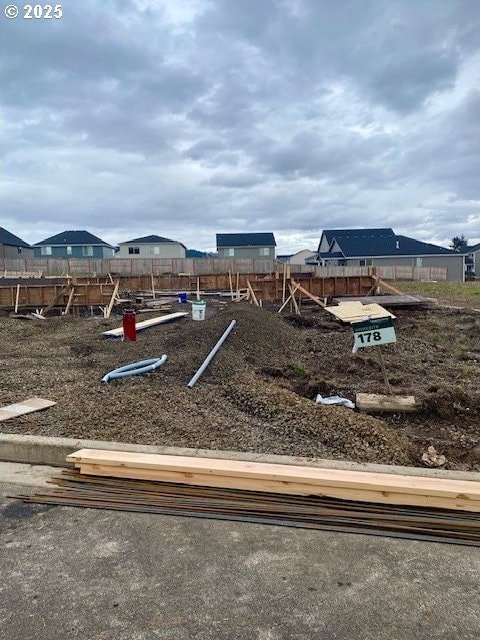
point(374, 333)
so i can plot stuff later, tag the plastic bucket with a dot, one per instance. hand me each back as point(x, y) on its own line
point(198, 310)
point(182, 297)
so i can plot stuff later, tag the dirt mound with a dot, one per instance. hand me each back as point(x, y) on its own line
point(259, 338)
point(345, 433)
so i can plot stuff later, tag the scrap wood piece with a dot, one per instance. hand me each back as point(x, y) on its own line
point(307, 293)
point(108, 309)
point(386, 285)
point(26, 406)
point(288, 299)
point(292, 295)
point(372, 402)
point(146, 324)
point(17, 298)
point(281, 478)
point(70, 300)
point(355, 311)
point(56, 298)
point(252, 293)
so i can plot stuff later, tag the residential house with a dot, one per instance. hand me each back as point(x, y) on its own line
point(73, 244)
point(472, 261)
point(246, 245)
point(383, 247)
point(151, 247)
point(11, 246)
point(301, 257)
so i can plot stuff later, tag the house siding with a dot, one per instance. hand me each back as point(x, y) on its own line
point(167, 250)
point(453, 264)
point(246, 252)
point(10, 251)
point(77, 252)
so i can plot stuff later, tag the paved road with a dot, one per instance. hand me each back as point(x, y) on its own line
point(100, 575)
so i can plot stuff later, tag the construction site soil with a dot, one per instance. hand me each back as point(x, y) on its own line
point(258, 394)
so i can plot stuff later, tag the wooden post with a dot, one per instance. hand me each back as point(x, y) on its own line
point(292, 292)
point(198, 287)
point(384, 370)
point(17, 297)
point(70, 300)
point(284, 288)
point(153, 286)
point(108, 310)
point(252, 294)
point(238, 282)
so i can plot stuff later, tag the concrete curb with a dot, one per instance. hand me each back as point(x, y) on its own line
point(53, 451)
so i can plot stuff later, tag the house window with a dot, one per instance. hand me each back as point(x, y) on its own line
point(264, 251)
point(19, 249)
point(69, 251)
point(133, 251)
point(156, 251)
point(46, 251)
point(366, 262)
point(230, 253)
point(418, 262)
point(87, 250)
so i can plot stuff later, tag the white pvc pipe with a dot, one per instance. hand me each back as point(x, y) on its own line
point(135, 369)
point(212, 353)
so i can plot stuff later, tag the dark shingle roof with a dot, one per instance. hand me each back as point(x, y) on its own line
point(330, 234)
point(474, 247)
point(11, 239)
point(330, 254)
point(153, 239)
point(73, 238)
point(366, 246)
point(245, 240)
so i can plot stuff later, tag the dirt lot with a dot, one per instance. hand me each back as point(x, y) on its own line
point(466, 294)
point(258, 394)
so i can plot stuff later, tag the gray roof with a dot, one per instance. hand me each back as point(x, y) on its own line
point(152, 239)
point(388, 245)
point(471, 249)
point(245, 240)
point(6, 237)
point(67, 238)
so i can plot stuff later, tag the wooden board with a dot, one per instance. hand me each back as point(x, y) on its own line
point(26, 406)
point(355, 311)
point(267, 472)
point(146, 324)
point(372, 402)
point(388, 301)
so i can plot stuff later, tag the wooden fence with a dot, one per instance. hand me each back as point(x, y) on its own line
point(201, 266)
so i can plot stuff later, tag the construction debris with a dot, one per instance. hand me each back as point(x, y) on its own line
point(431, 458)
point(374, 402)
point(26, 406)
point(356, 311)
point(335, 400)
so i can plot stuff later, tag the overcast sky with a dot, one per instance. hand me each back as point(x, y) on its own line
point(189, 117)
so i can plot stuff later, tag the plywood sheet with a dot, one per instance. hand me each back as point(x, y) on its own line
point(26, 406)
point(355, 311)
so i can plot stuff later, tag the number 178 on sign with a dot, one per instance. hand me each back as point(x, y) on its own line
point(371, 333)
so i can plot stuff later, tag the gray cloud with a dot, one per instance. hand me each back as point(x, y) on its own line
point(198, 117)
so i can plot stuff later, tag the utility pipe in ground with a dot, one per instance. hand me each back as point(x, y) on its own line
point(135, 369)
point(211, 355)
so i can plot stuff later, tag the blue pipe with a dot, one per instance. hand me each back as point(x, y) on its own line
point(135, 369)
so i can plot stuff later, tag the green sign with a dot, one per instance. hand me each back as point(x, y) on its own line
point(370, 333)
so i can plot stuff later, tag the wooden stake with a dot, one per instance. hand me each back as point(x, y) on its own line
point(292, 293)
point(153, 286)
point(198, 288)
point(70, 300)
point(17, 298)
point(108, 310)
point(55, 299)
point(287, 300)
point(307, 293)
point(231, 284)
point(384, 370)
point(252, 294)
point(111, 279)
point(384, 284)
point(284, 287)
point(238, 282)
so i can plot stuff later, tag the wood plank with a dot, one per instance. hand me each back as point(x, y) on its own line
point(108, 309)
point(371, 402)
point(146, 324)
point(307, 293)
point(364, 480)
point(251, 292)
point(26, 406)
point(459, 502)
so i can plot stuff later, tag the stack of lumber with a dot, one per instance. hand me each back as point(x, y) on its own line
point(266, 501)
point(280, 478)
